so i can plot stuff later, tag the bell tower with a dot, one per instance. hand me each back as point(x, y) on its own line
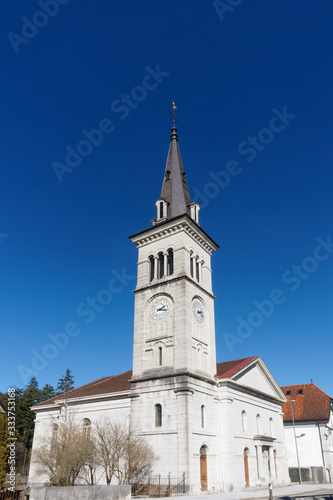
point(174, 362)
point(174, 328)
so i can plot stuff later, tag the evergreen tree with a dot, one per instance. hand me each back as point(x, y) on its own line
point(4, 450)
point(66, 383)
point(47, 392)
point(25, 417)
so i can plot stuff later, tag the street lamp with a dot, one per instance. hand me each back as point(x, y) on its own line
point(292, 414)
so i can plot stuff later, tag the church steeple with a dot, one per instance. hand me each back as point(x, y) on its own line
point(175, 197)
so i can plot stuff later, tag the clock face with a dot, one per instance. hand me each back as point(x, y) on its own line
point(159, 308)
point(198, 311)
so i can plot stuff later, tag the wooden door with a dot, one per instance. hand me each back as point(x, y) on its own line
point(246, 467)
point(203, 468)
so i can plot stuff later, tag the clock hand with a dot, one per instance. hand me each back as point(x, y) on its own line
point(161, 309)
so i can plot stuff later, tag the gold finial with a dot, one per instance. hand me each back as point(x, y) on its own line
point(174, 107)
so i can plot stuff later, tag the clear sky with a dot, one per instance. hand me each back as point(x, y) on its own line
point(252, 81)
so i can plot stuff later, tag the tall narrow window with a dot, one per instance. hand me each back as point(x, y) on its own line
point(160, 265)
point(158, 415)
point(246, 467)
point(161, 210)
point(197, 270)
point(275, 464)
point(54, 438)
point(258, 424)
point(170, 262)
point(160, 356)
point(191, 267)
point(244, 421)
point(151, 267)
point(86, 427)
point(203, 416)
point(271, 426)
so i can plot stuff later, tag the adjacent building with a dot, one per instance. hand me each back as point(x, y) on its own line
point(311, 434)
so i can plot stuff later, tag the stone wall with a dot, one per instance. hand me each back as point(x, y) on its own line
point(116, 492)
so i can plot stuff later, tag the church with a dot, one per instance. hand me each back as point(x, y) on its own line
point(220, 424)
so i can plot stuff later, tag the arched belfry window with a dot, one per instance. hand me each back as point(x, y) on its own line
point(158, 415)
point(196, 266)
point(151, 267)
point(170, 262)
point(160, 356)
point(160, 265)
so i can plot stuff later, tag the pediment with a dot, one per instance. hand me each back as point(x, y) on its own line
point(257, 376)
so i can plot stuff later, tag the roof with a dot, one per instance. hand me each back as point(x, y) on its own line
point(229, 368)
point(311, 403)
point(104, 385)
point(119, 383)
point(175, 189)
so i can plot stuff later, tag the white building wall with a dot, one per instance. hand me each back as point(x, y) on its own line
point(235, 439)
point(95, 410)
point(309, 448)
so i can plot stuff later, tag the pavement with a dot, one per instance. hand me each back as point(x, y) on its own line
point(258, 493)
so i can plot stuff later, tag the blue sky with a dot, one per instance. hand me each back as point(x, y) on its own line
point(253, 86)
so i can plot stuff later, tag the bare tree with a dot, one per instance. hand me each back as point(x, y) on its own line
point(64, 453)
point(137, 461)
point(72, 451)
point(123, 454)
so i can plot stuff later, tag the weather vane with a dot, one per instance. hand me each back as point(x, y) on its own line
point(173, 114)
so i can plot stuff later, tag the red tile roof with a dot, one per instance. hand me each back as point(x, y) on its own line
point(104, 385)
point(117, 383)
point(229, 368)
point(311, 404)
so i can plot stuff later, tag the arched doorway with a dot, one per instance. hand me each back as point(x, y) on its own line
point(246, 467)
point(203, 467)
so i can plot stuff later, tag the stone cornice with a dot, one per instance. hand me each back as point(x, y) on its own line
point(163, 374)
point(171, 226)
point(169, 279)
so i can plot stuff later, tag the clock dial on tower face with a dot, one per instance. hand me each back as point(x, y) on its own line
point(198, 311)
point(159, 308)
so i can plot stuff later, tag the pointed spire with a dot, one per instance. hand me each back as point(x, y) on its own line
point(174, 189)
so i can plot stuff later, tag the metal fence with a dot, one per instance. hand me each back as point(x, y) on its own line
point(159, 486)
point(9, 495)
